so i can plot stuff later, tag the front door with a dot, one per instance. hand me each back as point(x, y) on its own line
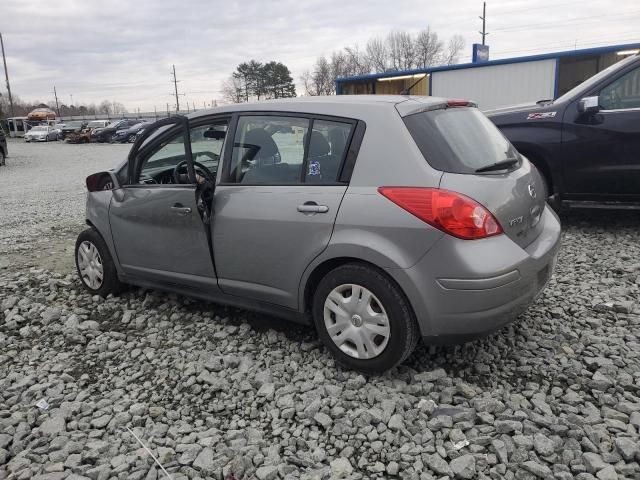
point(601, 152)
point(158, 220)
point(276, 204)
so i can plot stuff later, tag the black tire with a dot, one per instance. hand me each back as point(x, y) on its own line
point(110, 282)
point(404, 331)
point(3, 159)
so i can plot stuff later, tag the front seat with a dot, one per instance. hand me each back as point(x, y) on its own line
point(266, 155)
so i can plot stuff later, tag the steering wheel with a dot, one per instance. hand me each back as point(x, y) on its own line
point(198, 166)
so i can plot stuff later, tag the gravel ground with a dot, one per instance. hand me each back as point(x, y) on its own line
point(220, 393)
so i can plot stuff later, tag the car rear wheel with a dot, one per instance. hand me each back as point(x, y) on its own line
point(364, 319)
point(94, 264)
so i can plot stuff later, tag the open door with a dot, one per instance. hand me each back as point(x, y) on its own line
point(156, 224)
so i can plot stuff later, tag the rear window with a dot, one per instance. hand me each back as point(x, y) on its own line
point(459, 140)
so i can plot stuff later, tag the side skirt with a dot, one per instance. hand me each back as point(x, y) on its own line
point(223, 299)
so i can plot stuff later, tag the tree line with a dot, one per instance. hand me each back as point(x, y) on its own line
point(399, 50)
point(255, 80)
point(22, 108)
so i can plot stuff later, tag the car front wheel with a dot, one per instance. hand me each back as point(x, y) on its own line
point(364, 319)
point(94, 264)
point(3, 159)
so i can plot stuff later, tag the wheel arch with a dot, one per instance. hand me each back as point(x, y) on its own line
point(317, 272)
point(540, 160)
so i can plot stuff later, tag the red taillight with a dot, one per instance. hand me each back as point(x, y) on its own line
point(451, 212)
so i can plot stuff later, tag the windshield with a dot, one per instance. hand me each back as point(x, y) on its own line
point(74, 124)
point(39, 128)
point(113, 124)
point(588, 83)
point(459, 140)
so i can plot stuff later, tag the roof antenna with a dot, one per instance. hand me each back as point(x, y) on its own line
point(407, 91)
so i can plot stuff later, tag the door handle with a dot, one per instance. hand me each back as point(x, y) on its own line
point(180, 210)
point(312, 207)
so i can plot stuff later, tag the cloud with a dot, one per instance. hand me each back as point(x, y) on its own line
point(123, 51)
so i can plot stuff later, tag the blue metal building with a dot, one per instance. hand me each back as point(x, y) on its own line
point(495, 83)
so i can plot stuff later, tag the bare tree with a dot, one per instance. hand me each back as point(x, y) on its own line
point(105, 107)
point(232, 90)
point(401, 50)
point(428, 48)
point(321, 81)
point(455, 46)
point(357, 63)
point(378, 54)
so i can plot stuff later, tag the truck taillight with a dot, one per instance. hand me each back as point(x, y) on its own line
point(451, 212)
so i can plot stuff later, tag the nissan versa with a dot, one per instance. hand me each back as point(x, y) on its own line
point(378, 219)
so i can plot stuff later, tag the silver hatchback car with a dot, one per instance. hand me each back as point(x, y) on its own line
point(378, 219)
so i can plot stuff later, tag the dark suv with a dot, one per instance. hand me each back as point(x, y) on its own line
point(105, 134)
point(586, 143)
point(4, 153)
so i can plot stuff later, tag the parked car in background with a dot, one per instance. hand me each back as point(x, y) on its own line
point(58, 129)
point(128, 134)
point(378, 219)
point(4, 151)
point(41, 133)
point(586, 143)
point(73, 126)
point(105, 134)
point(98, 124)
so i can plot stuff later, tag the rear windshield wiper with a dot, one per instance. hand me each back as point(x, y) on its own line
point(504, 164)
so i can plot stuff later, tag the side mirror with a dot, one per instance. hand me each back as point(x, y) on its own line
point(102, 181)
point(589, 105)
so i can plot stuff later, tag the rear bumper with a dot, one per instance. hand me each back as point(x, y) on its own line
point(465, 289)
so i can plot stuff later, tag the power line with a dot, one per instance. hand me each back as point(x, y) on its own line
point(551, 24)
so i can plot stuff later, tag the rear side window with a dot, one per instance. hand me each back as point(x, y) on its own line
point(459, 140)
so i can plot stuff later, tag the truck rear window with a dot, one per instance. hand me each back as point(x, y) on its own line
point(459, 140)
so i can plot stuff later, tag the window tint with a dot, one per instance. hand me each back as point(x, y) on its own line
point(268, 150)
point(623, 93)
point(327, 148)
point(459, 140)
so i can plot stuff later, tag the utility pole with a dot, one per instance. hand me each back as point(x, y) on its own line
point(194, 106)
point(155, 112)
point(6, 74)
point(484, 21)
point(175, 84)
point(55, 94)
point(167, 109)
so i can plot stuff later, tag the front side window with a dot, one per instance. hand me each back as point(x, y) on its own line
point(206, 147)
point(268, 150)
point(158, 167)
point(623, 93)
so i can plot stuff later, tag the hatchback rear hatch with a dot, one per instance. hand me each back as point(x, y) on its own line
point(478, 162)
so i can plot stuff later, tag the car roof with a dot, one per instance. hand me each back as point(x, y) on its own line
point(340, 105)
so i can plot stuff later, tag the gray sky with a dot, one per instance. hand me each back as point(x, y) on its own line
point(123, 50)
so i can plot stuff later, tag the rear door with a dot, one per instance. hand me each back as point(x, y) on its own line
point(277, 201)
point(601, 151)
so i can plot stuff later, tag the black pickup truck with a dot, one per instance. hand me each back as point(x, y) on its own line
point(586, 143)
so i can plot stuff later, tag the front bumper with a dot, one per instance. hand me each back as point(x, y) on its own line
point(462, 289)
